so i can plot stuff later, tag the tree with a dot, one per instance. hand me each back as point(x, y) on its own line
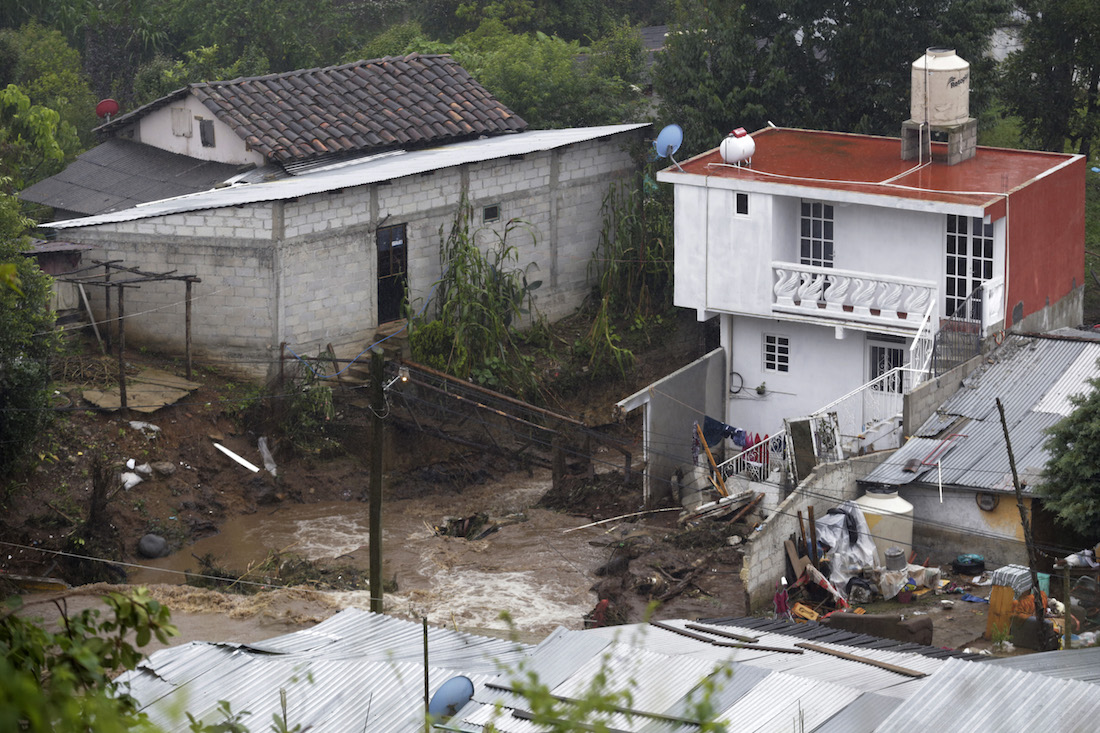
point(162, 75)
point(50, 72)
point(544, 79)
point(1052, 84)
point(29, 148)
point(26, 337)
point(62, 681)
point(1071, 481)
point(827, 65)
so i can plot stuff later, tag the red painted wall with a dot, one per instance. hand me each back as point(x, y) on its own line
point(1046, 247)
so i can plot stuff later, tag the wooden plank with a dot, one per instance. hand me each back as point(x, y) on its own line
point(999, 615)
point(862, 660)
point(798, 563)
point(713, 465)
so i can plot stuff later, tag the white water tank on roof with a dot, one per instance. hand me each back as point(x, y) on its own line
point(941, 88)
point(737, 147)
point(889, 519)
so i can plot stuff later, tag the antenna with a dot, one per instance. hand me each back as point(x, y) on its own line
point(668, 142)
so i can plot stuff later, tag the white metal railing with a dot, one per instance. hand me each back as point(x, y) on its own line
point(923, 349)
point(760, 461)
point(847, 294)
point(866, 413)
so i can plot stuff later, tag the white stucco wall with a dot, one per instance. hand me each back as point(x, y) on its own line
point(723, 260)
point(304, 271)
point(155, 129)
point(822, 368)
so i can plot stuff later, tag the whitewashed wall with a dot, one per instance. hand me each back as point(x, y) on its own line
point(155, 129)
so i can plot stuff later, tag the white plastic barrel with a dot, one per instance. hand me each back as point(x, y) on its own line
point(889, 519)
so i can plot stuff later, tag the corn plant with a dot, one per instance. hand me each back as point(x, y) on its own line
point(480, 298)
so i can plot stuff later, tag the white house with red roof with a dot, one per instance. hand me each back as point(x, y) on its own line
point(836, 260)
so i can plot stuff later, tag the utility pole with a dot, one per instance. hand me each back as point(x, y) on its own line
point(378, 406)
point(1036, 594)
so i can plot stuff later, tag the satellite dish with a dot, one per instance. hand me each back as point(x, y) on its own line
point(669, 141)
point(106, 108)
point(451, 696)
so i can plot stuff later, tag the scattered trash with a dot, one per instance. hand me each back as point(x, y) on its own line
point(130, 463)
point(969, 598)
point(968, 564)
point(1082, 559)
point(947, 604)
point(148, 429)
point(130, 480)
point(269, 460)
point(733, 540)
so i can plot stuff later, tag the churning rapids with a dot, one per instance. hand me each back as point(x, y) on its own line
point(533, 570)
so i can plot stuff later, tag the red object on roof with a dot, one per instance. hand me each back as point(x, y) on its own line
point(739, 132)
point(106, 107)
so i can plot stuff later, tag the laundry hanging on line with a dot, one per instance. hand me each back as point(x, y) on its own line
point(714, 431)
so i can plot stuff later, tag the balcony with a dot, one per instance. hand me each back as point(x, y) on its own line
point(844, 296)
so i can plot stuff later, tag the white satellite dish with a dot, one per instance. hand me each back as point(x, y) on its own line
point(668, 142)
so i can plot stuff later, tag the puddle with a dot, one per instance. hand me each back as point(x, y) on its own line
point(539, 575)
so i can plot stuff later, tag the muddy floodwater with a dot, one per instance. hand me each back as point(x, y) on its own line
point(532, 569)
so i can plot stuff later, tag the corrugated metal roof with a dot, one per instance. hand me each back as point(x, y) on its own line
point(996, 698)
point(1032, 377)
point(373, 170)
point(1068, 664)
point(333, 673)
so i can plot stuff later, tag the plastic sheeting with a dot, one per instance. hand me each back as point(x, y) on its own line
point(844, 531)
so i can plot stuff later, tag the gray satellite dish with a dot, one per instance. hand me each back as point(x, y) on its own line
point(451, 697)
point(668, 142)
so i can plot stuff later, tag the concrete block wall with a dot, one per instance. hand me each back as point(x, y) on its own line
point(765, 557)
point(304, 271)
point(232, 315)
point(919, 404)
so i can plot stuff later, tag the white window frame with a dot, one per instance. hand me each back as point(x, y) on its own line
point(969, 263)
point(816, 231)
point(776, 353)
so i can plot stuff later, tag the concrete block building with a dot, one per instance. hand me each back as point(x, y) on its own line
point(349, 176)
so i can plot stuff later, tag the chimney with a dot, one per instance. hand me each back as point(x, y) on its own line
point(940, 102)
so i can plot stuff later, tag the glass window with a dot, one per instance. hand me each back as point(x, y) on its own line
point(816, 234)
point(777, 353)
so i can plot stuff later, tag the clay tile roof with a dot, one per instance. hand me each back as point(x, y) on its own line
point(351, 108)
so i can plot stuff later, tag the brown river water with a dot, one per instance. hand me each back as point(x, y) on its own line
point(532, 569)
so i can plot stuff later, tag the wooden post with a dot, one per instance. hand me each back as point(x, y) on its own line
point(187, 329)
point(1067, 634)
point(121, 349)
point(721, 481)
point(378, 408)
point(1036, 594)
point(427, 689)
point(813, 538)
point(107, 307)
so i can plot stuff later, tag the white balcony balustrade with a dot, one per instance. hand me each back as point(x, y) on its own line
point(833, 294)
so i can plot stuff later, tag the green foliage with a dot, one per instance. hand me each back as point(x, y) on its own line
point(480, 297)
point(29, 147)
point(306, 412)
point(27, 338)
point(161, 75)
point(832, 65)
point(1071, 481)
point(50, 72)
point(62, 681)
point(1053, 83)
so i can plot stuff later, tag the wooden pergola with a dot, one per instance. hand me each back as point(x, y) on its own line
point(126, 277)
